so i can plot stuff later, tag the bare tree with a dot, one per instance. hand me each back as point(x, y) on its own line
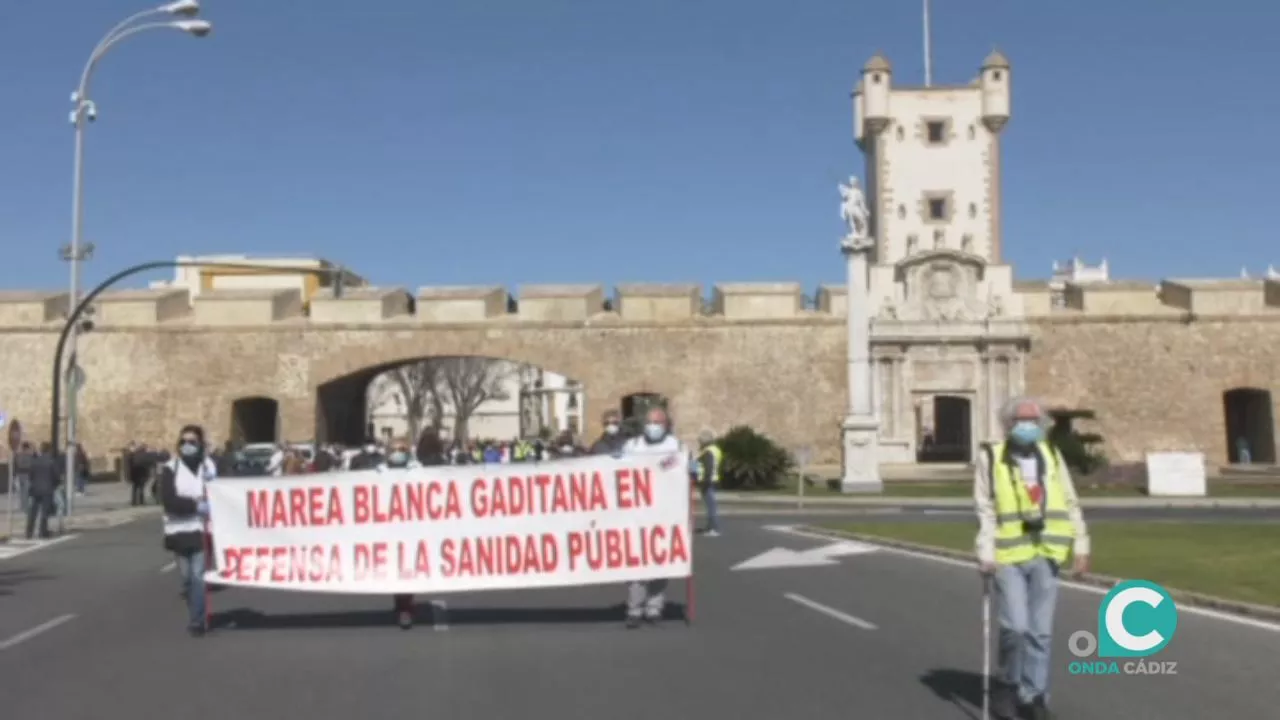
point(420, 387)
point(469, 383)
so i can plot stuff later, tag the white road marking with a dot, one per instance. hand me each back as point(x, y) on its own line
point(16, 548)
point(1083, 587)
point(37, 630)
point(830, 612)
point(948, 512)
point(439, 615)
point(169, 567)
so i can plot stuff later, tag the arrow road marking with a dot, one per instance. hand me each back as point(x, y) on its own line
point(780, 557)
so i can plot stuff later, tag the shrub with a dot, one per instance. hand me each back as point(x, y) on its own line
point(1080, 458)
point(752, 461)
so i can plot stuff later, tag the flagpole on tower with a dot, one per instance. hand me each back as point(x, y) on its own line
point(928, 49)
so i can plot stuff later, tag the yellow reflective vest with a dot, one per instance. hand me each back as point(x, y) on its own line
point(717, 456)
point(1014, 508)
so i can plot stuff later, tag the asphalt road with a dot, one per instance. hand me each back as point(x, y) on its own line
point(93, 627)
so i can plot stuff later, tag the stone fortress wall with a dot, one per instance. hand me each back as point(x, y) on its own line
point(1153, 361)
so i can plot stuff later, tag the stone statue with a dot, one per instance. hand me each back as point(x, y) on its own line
point(888, 310)
point(853, 210)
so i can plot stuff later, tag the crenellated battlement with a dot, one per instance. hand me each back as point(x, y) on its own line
point(1187, 298)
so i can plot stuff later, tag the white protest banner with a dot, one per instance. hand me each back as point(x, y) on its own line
point(455, 528)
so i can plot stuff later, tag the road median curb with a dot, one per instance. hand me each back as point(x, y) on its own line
point(1182, 597)
point(952, 501)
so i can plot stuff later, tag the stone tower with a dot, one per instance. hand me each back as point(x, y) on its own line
point(948, 339)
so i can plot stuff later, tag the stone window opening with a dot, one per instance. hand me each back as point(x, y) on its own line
point(937, 131)
point(936, 207)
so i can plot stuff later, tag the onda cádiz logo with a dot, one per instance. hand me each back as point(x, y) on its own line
point(1136, 620)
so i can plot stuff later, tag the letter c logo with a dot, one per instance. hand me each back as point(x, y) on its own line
point(1136, 619)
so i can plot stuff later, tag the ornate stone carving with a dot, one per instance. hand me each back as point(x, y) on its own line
point(995, 306)
point(888, 310)
point(942, 287)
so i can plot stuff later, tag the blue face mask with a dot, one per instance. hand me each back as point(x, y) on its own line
point(655, 431)
point(189, 449)
point(399, 458)
point(1026, 432)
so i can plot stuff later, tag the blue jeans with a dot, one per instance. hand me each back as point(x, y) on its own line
point(1026, 596)
point(191, 568)
point(709, 500)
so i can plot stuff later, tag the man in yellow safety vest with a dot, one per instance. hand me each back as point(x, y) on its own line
point(1029, 525)
point(706, 472)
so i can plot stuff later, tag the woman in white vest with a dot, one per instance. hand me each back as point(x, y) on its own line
point(186, 512)
point(647, 599)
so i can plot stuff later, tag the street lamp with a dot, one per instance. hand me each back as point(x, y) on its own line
point(84, 111)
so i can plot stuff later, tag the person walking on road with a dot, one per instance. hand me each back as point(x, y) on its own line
point(706, 472)
point(647, 599)
point(43, 479)
point(1029, 524)
point(611, 441)
point(186, 511)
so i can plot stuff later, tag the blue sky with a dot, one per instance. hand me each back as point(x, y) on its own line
point(504, 142)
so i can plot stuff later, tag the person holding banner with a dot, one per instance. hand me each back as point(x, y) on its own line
point(182, 495)
point(647, 599)
point(401, 459)
point(611, 442)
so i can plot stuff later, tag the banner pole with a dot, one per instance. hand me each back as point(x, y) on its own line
point(689, 596)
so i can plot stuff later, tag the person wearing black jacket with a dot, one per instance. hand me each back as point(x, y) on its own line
point(611, 442)
point(430, 452)
point(182, 495)
point(370, 457)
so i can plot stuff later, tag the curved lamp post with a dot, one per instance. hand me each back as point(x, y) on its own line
point(84, 111)
point(78, 310)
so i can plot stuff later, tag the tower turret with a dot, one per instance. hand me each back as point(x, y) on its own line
point(859, 112)
point(994, 82)
point(877, 78)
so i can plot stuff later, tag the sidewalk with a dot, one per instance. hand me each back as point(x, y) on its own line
point(730, 498)
point(106, 504)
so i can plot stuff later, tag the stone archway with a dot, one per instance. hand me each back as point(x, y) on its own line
point(255, 420)
point(1250, 425)
point(503, 399)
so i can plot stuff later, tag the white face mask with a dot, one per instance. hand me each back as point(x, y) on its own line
point(371, 448)
point(611, 429)
point(655, 431)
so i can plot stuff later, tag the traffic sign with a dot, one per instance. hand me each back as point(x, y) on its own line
point(15, 435)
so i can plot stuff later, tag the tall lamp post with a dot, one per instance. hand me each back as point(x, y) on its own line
point(84, 111)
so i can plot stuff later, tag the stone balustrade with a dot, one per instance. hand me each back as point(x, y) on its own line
point(630, 303)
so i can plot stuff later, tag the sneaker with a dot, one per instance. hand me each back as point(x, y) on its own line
point(652, 618)
point(712, 533)
point(1004, 703)
point(405, 619)
point(633, 622)
point(197, 631)
point(1039, 709)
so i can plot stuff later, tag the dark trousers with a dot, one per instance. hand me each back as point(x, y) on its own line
point(40, 508)
point(403, 603)
point(138, 492)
